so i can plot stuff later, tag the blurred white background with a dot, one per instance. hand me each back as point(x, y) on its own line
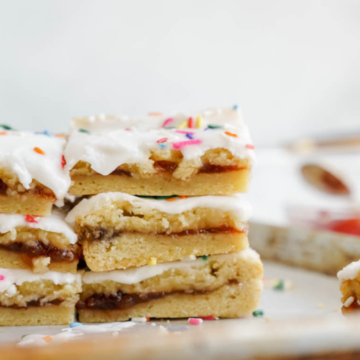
point(293, 66)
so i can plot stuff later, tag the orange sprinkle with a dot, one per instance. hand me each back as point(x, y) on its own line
point(147, 319)
point(3, 133)
point(47, 338)
point(230, 134)
point(171, 199)
point(156, 113)
point(38, 150)
point(60, 135)
point(182, 197)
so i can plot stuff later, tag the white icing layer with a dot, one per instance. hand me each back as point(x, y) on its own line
point(17, 154)
point(11, 277)
point(136, 275)
point(241, 208)
point(218, 116)
point(54, 223)
point(349, 272)
point(106, 149)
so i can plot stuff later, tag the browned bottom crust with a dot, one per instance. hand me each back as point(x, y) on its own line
point(223, 183)
point(32, 316)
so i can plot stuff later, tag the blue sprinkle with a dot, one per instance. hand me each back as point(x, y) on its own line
point(76, 324)
point(189, 136)
point(47, 133)
point(207, 128)
point(39, 133)
point(235, 107)
point(178, 328)
point(162, 145)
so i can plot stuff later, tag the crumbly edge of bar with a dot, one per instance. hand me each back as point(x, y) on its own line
point(180, 168)
point(10, 185)
point(208, 277)
point(116, 215)
point(45, 290)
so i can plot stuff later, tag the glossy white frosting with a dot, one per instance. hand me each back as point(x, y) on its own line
point(54, 223)
point(234, 203)
point(217, 116)
point(349, 272)
point(17, 154)
point(10, 277)
point(136, 275)
point(107, 148)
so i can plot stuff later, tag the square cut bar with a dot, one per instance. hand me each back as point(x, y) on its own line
point(28, 299)
point(222, 285)
point(118, 230)
point(349, 278)
point(38, 244)
point(32, 177)
point(164, 158)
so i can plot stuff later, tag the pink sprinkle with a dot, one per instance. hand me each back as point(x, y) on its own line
point(31, 219)
point(185, 132)
point(127, 129)
point(167, 121)
point(250, 146)
point(195, 321)
point(207, 317)
point(180, 144)
point(160, 141)
point(2, 277)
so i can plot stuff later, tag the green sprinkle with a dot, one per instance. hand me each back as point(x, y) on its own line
point(165, 197)
point(84, 131)
point(23, 336)
point(170, 127)
point(145, 196)
point(6, 127)
point(215, 127)
point(204, 257)
point(279, 286)
point(258, 313)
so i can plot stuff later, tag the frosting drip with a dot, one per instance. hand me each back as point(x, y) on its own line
point(17, 154)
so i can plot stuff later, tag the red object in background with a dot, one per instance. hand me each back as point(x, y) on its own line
point(349, 226)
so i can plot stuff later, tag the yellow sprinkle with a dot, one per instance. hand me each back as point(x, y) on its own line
point(199, 122)
point(182, 125)
point(152, 261)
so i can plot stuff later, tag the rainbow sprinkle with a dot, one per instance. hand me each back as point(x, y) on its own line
point(160, 141)
point(63, 161)
point(250, 146)
point(204, 257)
point(189, 136)
point(167, 121)
point(39, 151)
point(184, 132)
point(207, 317)
point(155, 113)
point(152, 261)
point(162, 145)
point(190, 122)
point(3, 133)
point(199, 122)
point(47, 338)
point(235, 107)
point(84, 131)
point(195, 321)
point(258, 313)
point(47, 133)
point(31, 219)
point(2, 277)
point(214, 127)
point(6, 127)
point(230, 134)
point(76, 324)
point(182, 125)
point(180, 144)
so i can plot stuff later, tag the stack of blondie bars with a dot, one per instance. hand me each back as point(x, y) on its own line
point(39, 284)
point(162, 228)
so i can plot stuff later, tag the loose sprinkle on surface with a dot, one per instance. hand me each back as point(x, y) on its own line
point(199, 122)
point(160, 141)
point(31, 219)
point(258, 313)
point(76, 324)
point(189, 136)
point(230, 134)
point(167, 121)
point(250, 146)
point(349, 301)
point(6, 127)
point(84, 131)
point(39, 151)
point(195, 321)
point(182, 125)
point(190, 123)
point(47, 338)
point(279, 286)
point(152, 261)
point(180, 144)
point(215, 126)
point(63, 161)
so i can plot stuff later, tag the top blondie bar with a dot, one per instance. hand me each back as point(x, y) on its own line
point(32, 174)
point(205, 153)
